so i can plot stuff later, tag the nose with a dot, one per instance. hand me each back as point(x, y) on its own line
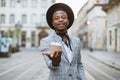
point(60, 19)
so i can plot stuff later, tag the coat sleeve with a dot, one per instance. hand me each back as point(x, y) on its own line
point(80, 66)
point(45, 47)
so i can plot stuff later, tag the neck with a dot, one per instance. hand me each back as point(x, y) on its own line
point(61, 33)
point(64, 36)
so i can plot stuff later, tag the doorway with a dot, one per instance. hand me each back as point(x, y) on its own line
point(115, 39)
point(41, 35)
point(33, 39)
point(23, 43)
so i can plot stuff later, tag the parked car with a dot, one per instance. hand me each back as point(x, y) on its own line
point(4, 47)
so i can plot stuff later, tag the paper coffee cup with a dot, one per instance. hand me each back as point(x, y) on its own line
point(55, 46)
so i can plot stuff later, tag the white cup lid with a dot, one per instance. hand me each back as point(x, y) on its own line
point(56, 43)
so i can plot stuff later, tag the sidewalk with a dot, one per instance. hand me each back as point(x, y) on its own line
point(111, 59)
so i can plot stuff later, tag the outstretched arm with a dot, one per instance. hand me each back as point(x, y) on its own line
point(52, 61)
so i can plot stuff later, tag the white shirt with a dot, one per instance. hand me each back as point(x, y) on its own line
point(69, 52)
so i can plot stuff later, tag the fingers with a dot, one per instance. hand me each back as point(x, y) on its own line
point(47, 54)
point(57, 54)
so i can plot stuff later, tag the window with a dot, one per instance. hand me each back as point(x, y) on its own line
point(24, 19)
point(34, 3)
point(118, 11)
point(43, 20)
point(12, 19)
point(24, 3)
point(3, 3)
point(12, 3)
point(43, 3)
point(110, 37)
point(33, 18)
point(109, 19)
point(115, 15)
point(2, 18)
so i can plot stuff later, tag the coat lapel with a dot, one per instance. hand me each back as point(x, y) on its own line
point(73, 48)
point(56, 38)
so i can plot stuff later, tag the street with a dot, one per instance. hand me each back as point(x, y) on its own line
point(98, 70)
point(25, 65)
point(24, 23)
point(28, 64)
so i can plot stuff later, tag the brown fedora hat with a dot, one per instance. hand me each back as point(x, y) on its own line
point(59, 6)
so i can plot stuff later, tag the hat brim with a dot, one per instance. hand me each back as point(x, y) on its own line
point(58, 6)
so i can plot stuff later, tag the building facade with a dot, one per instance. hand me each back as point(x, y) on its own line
point(113, 25)
point(79, 26)
point(90, 25)
point(24, 20)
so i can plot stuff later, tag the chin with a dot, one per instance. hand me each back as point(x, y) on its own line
point(62, 30)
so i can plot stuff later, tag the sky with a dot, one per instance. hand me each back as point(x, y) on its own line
point(74, 4)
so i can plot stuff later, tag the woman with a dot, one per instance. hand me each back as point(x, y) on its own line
point(64, 64)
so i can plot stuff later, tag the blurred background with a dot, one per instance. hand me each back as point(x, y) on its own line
point(23, 24)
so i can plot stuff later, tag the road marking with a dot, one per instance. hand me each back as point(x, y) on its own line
point(90, 77)
point(15, 67)
point(101, 72)
point(25, 72)
point(7, 71)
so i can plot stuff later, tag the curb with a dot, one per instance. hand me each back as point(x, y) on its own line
point(112, 65)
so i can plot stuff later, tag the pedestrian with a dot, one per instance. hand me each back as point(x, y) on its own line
point(64, 64)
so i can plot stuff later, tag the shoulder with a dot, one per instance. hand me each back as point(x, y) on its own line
point(47, 39)
point(75, 38)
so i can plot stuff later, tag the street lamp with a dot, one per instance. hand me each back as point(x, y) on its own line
point(90, 32)
point(88, 22)
point(17, 32)
point(18, 25)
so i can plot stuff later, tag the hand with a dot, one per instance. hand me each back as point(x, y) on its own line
point(56, 57)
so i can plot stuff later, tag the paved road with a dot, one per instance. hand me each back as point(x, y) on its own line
point(29, 65)
point(98, 70)
point(25, 65)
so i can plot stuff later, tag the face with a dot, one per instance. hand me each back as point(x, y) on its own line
point(60, 21)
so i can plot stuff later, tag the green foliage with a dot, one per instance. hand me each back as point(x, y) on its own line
point(13, 31)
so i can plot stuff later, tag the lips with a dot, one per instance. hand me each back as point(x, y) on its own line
point(61, 24)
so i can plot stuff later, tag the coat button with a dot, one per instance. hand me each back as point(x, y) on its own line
point(70, 75)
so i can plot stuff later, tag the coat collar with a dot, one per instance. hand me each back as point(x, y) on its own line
point(57, 38)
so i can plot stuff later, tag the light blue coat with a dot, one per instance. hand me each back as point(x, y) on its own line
point(66, 70)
